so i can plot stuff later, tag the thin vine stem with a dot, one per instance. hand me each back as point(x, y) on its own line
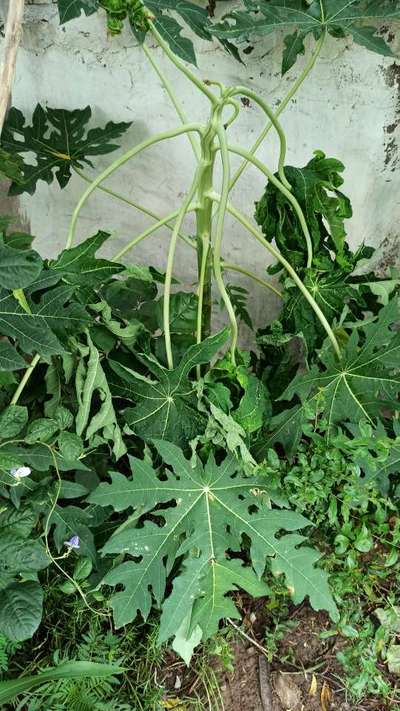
point(219, 232)
point(170, 267)
point(150, 230)
point(174, 99)
point(260, 238)
point(258, 280)
point(289, 196)
point(128, 201)
point(181, 66)
point(282, 106)
point(158, 138)
point(242, 90)
point(25, 378)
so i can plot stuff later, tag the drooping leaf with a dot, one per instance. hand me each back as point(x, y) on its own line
point(90, 381)
point(212, 508)
point(59, 140)
point(238, 296)
point(165, 406)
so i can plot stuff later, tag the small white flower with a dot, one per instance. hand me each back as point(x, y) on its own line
point(20, 472)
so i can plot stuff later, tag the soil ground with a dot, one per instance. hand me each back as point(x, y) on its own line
point(306, 678)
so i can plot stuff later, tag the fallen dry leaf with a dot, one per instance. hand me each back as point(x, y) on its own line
point(326, 697)
point(313, 686)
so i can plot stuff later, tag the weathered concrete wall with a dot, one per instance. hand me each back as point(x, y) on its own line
point(349, 108)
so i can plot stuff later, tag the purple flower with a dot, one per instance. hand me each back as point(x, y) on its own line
point(73, 542)
point(20, 472)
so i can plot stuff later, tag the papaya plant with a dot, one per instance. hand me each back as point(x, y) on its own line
point(118, 396)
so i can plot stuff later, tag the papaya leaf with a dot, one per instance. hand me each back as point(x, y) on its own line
point(18, 268)
point(166, 406)
point(49, 320)
point(212, 508)
point(359, 387)
point(59, 140)
point(340, 18)
point(10, 358)
point(79, 265)
point(10, 166)
point(70, 9)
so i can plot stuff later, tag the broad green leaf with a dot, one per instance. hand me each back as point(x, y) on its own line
point(212, 509)
point(70, 445)
point(183, 313)
point(59, 140)
point(19, 555)
point(68, 670)
point(80, 266)
point(50, 319)
point(18, 268)
point(357, 388)
point(91, 385)
point(69, 9)
point(12, 420)
point(170, 30)
point(20, 610)
point(18, 522)
point(340, 18)
point(41, 430)
point(165, 405)
point(9, 358)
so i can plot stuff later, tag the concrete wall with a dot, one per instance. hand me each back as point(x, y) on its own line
point(349, 108)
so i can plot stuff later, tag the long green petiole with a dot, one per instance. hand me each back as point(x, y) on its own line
point(278, 256)
point(175, 101)
point(127, 201)
point(219, 232)
point(282, 106)
point(242, 90)
point(274, 180)
point(258, 280)
point(170, 266)
point(25, 378)
point(153, 228)
point(165, 135)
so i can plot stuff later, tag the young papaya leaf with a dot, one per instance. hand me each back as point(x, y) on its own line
point(255, 406)
point(20, 610)
point(59, 140)
point(212, 508)
point(316, 188)
point(91, 386)
point(79, 265)
point(166, 406)
point(69, 9)
point(340, 18)
point(359, 387)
